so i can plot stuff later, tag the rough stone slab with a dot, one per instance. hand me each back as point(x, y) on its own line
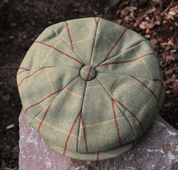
point(157, 149)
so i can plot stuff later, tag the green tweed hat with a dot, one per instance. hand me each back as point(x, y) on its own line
point(90, 87)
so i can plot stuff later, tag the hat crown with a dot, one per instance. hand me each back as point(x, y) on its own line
point(90, 87)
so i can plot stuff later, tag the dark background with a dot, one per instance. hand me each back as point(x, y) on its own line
point(21, 21)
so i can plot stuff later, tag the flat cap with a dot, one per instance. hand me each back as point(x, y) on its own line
point(90, 87)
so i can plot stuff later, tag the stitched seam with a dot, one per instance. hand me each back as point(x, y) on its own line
point(94, 42)
point(109, 41)
point(65, 42)
point(80, 117)
point(145, 86)
point(121, 111)
point(137, 44)
point(46, 57)
point(73, 51)
point(53, 99)
point(128, 61)
point(43, 67)
point(115, 45)
point(116, 124)
point(58, 51)
point(54, 31)
point(145, 105)
point(84, 93)
point(143, 62)
point(21, 72)
point(75, 121)
point(44, 116)
point(29, 76)
point(49, 50)
point(70, 38)
point(123, 52)
point(159, 82)
point(55, 128)
point(84, 133)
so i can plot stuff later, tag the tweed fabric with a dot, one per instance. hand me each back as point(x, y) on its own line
point(90, 87)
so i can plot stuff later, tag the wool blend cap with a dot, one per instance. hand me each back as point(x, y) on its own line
point(90, 87)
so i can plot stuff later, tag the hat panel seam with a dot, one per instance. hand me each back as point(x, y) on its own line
point(152, 97)
point(69, 35)
point(34, 69)
point(48, 107)
point(35, 104)
point(74, 52)
point(105, 62)
point(78, 115)
point(30, 74)
point(44, 116)
point(84, 133)
point(94, 42)
point(68, 45)
point(60, 51)
point(115, 44)
point(154, 80)
point(157, 96)
point(120, 110)
point(23, 71)
point(49, 53)
point(137, 44)
point(34, 116)
point(116, 124)
point(145, 86)
point(80, 119)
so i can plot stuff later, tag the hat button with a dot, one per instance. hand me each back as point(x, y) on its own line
point(88, 73)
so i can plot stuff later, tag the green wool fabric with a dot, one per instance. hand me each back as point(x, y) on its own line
point(90, 87)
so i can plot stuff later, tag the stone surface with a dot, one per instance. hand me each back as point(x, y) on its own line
point(157, 149)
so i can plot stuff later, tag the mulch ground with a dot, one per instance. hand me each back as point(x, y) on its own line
point(21, 21)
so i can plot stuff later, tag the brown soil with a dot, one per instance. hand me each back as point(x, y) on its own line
point(21, 21)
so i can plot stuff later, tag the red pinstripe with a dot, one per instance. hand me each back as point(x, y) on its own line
point(46, 98)
point(89, 73)
point(97, 159)
point(29, 76)
point(130, 113)
point(145, 86)
point(115, 45)
point(84, 133)
point(116, 122)
point(124, 61)
point(59, 51)
point(156, 80)
point(24, 68)
point(96, 21)
point(44, 116)
point(69, 36)
point(71, 131)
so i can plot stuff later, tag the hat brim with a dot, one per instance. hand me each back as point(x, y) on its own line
point(94, 156)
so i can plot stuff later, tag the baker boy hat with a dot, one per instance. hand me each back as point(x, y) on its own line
point(90, 87)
